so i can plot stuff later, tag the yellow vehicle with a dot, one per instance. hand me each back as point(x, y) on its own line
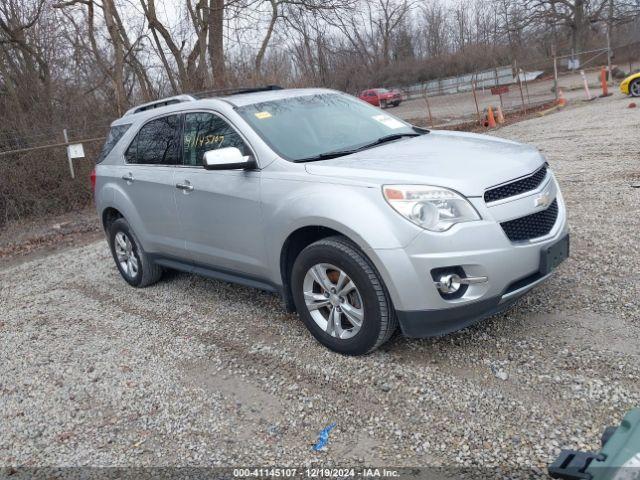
point(631, 85)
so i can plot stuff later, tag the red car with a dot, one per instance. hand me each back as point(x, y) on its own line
point(381, 97)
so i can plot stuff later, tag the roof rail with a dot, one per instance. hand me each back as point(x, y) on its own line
point(163, 102)
point(220, 92)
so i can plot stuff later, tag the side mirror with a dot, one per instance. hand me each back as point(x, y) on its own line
point(229, 158)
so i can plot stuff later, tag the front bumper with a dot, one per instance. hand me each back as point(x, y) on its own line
point(434, 323)
point(483, 250)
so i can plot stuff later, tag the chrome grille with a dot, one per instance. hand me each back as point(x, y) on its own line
point(512, 189)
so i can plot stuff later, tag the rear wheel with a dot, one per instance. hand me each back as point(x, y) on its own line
point(634, 88)
point(341, 298)
point(133, 264)
point(396, 103)
point(383, 104)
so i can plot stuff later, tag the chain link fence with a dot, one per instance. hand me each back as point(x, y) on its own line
point(448, 102)
point(35, 176)
point(517, 88)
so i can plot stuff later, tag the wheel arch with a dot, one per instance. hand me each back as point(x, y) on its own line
point(299, 239)
point(110, 215)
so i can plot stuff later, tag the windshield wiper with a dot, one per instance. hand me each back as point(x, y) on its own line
point(327, 155)
point(342, 153)
point(388, 138)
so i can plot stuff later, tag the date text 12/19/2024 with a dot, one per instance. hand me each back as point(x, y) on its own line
point(315, 473)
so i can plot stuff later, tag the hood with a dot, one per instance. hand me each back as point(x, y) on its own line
point(465, 162)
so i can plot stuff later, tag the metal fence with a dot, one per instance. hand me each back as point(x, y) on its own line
point(455, 100)
point(517, 88)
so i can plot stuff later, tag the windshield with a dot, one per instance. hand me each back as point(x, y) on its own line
point(302, 128)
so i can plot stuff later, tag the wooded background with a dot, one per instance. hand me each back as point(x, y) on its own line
point(78, 64)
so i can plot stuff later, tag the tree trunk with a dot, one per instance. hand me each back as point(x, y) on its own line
point(216, 42)
point(578, 28)
point(138, 68)
point(267, 36)
point(118, 54)
point(156, 26)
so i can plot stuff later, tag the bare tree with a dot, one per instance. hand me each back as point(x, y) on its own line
point(123, 53)
point(25, 57)
point(435, 29)
point(578, 16)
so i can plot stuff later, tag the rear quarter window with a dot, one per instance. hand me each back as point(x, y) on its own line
point(115, 134)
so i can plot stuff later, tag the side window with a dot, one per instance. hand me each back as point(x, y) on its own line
point(115, 134)
point(204, 132)
point(157, 143)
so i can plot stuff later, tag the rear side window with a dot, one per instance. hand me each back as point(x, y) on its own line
point(157, 143)
point(204, 132)
point(114, 136)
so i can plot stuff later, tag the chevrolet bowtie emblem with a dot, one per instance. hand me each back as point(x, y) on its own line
point(543, 200)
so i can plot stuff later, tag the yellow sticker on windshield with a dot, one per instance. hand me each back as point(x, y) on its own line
point(263, 115)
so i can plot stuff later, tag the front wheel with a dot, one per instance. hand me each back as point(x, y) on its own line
point(634, 89)
point(383, 104)
point(341, 298)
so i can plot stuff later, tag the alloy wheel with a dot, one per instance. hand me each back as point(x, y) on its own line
point(635, 89)
point(333, 300)
point(125, 254)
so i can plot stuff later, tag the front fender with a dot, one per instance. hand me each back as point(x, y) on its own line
point(360, 213)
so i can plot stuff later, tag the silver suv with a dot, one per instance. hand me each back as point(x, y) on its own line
point(357, 219)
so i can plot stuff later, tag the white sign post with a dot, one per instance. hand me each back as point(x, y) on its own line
point(75, 150)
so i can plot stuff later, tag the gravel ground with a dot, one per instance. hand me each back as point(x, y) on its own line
point(194, 372)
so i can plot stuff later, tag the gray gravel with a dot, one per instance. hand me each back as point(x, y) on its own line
point(198, 372)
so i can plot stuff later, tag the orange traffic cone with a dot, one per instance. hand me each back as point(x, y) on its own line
point(561, 100)
point(603, 81)
point(500, 116)
point(490, 118)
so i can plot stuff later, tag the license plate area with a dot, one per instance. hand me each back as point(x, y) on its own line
point(554, 255)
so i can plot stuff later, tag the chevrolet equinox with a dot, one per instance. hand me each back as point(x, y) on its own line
point(360, 221)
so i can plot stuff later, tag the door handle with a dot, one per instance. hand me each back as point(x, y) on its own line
point(128, 177)
point(185, 186)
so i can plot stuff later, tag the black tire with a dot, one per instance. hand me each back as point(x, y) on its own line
point(148, 272)
point(379, 322)
point(383, 104)
point(395, 104)
point(635, 84)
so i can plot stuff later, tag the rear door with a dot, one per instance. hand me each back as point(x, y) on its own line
point(147, 180)
point(220, 212)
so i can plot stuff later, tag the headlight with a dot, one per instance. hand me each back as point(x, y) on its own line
point(433, 208)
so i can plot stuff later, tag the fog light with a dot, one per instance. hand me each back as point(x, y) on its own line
point(450, 283)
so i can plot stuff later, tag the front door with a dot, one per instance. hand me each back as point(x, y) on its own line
point(218, 210)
